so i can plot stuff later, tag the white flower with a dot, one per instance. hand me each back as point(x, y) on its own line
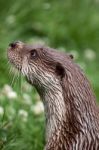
point(74, 53)
point(10, 19)
point(38, 108)
point(8, 91)
point(47, 6)
point(27, 99)
point(90, 54)
point(7, 88)
point(12, 95)
point(97, 1)
point(1, 110)
point(23, 114)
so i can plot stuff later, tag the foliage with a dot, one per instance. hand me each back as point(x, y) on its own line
point(68, 25)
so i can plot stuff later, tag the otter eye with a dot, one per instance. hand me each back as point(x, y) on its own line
point(33, 53)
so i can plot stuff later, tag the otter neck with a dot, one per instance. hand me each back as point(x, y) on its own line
point(54, 106)
point(60, 112)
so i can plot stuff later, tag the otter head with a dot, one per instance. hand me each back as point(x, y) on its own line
point(44, 68)
point(41, 65)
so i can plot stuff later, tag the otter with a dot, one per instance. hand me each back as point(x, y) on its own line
point(72, 116)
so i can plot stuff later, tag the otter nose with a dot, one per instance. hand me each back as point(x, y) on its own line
point(14, 44)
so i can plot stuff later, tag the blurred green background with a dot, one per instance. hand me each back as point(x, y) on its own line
point(68, 25)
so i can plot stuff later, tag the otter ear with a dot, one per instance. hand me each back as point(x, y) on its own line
point(60, 70)
point(71, 56)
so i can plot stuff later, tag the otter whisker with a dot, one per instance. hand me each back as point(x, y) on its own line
point(10, 72)
point(13, 80)
point(8, 64)
point(17, 77)
point(20, 82)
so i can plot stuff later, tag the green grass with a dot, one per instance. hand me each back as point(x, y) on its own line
point(21, 127)
point(71, 26)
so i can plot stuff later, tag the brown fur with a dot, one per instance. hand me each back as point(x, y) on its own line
point(79, 127)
